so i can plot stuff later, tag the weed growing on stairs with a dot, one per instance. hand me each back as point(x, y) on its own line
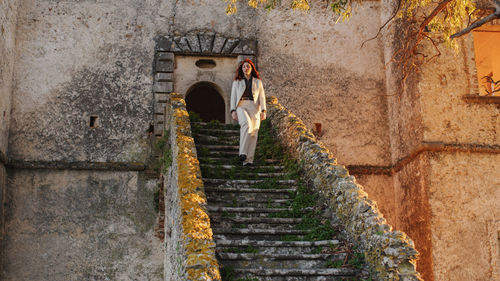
point(163, 147)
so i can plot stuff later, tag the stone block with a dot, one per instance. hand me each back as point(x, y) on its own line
point(218, 44)
point(165, 56)
point(176, 48)
point(164, 66)
point(184, 44)
point(164, 44)
point(159, 119)
point(158, 130)
point(194, 43)
point(163, 87)
point(159, 108)
point(161, 98)
point(206, 41)
point(164, 77)
point(229, 46)
point(238, 49)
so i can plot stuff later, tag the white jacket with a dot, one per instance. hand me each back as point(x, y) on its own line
point(259, 98)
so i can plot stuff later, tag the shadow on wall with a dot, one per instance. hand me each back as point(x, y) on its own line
point(204, 99)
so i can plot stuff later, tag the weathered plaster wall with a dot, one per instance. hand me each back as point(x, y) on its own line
point(8, 18)
point(464, 194)
point(76, 59)
point(380, 189)
point(412, 210)
point(318, 70)
point(463, 186)
point(81, 225)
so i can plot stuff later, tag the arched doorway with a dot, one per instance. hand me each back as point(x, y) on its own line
point(204, 99)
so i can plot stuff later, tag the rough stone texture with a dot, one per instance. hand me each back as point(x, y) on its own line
point(413, 213)
point(8, 18)
point(390, 254)
point(80, 225)
point(317, 70)
point(380, 190)
point(190, 248)
point(432, 109)
point(76, 59)
point(465, 213)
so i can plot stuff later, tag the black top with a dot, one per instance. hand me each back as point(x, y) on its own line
point(248, 89)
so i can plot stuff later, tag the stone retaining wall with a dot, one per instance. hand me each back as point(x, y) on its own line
point(390, 254)
point(190, 249)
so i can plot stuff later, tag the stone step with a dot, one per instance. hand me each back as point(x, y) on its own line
point(273, 235)
point(298, 272)
point(320, 243)
point(246, 209)
point(248, 175)
point(256, 256)
point(225, 189)
point(278, 247)
point(207, 139)
point(267, 168)
point(230, 182)
point(205, 124)
point(231, 195)
point(216, 132)
point(223, 153)
point(218, 147)
point(258, 231)
point(281, 261)
point(248, 202)
point(220, 159)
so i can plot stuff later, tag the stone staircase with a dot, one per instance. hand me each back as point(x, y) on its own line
point(266, 225)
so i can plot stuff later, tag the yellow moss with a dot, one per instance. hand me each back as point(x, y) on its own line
point(198, 243)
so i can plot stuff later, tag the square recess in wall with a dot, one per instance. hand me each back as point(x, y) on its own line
point(94, 121)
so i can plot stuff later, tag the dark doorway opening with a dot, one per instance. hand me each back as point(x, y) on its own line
point(205, 100)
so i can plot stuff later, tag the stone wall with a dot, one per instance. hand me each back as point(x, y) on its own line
point(463, 180)
point(8, 19)
point(430, 119)
point(190, 249)
point(390, 254)
point(464, 193)
point(81, 225)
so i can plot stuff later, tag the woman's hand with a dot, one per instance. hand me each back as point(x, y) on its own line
point(234, 115)
point(263, 115)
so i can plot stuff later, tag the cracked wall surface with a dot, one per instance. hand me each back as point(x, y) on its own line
point(81, 225)
point(75, 59)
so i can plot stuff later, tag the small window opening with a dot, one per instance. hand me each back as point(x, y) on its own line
point(94, 121)
point(205, 63)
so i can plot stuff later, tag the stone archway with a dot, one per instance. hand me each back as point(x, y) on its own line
point(203, 44)
point(204, 99)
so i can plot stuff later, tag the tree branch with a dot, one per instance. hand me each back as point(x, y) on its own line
point(383, 26)
point(478, 23)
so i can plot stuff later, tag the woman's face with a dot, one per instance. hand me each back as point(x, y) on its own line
point(247, 68)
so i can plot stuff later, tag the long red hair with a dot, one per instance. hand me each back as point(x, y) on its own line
point(239, 71)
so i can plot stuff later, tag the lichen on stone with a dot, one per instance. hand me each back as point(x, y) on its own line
point(391, 255)
point(197, 251)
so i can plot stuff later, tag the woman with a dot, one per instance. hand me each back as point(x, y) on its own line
point(248, 107)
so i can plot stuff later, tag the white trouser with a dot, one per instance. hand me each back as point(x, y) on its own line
point(249, 119)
